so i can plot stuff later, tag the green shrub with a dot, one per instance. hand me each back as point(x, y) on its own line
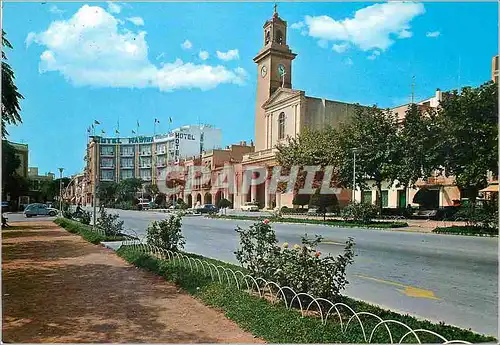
point(360, 212)
point(482, 216)
point(467, 230)
point(301, 267)
point(258, 249)
point(224, 203)
point(166, 233)
point(109, 223)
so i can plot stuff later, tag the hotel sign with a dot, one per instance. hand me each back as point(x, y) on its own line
point(135, 140)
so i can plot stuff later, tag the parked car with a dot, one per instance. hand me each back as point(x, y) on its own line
point(250, 206)
point(39, 210)
point(5, 206)
point(207, 208)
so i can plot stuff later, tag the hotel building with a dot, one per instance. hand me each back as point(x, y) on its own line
point(144, 157)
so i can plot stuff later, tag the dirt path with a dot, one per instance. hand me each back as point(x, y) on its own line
point(59, 288)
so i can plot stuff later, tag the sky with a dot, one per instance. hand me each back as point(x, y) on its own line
point(123, 62)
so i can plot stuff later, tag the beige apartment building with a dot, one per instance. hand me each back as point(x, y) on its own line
point(494, 69)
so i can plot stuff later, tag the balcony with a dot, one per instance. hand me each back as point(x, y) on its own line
point(161, 152)
point(127, 154)
point(145, 166)
point(127, 167)
point(107, 166)
point(146, 178)
point(145, 153)
point(107, 178)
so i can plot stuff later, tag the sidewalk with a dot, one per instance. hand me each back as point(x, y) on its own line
point(59, 288)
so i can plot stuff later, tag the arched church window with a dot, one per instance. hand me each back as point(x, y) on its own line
point(279, 37)
point(281, 126)
point(268, 36)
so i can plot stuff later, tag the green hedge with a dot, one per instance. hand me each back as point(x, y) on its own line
point(466, 230)
point(86, 231)
point(330, 222)
point(276, 324)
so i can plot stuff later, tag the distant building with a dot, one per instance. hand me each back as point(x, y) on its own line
point(36, 179)
point(21, 152)
point(494, 69)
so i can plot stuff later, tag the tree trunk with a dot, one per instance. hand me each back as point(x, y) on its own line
point(379, 197)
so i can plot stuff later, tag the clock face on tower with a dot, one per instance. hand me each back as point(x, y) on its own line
point(263, 71)
point(281, 70)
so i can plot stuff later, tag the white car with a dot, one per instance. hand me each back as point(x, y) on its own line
point(250, 206)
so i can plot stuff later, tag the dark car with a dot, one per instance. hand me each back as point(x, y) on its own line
point(207, 208)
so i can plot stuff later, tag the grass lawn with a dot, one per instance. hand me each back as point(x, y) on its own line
point(277, 324)
point(330, 222)
point(85, 231)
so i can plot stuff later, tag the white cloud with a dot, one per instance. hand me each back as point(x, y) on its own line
point(405, 34)
point(433, 34)
point(232, 54)
point(203, 54)
point(114, 7)
point(340, 48)
point(187, 44)
point(136, 21)
point(298, 25)
point(159, 56)
point(374, 55)
point(372, 27)
point(92, 49)
point(55, 10)
point(349, 61)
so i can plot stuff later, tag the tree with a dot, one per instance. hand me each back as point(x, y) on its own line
point(160, 199)
point(301, 199)
point(418, 139)
point(10, 94)
point(373, 133)
point(468, 121)
point(223, 204)
point(107, 192)
point(323, 202)
point(127, 189)
point(152, 190)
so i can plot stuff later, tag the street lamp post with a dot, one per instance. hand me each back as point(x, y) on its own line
point(354, 176)
point(60, 189)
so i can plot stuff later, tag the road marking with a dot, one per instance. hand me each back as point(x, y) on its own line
point(333, 242)
point(408, 290)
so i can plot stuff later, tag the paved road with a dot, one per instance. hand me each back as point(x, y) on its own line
point(438, 277)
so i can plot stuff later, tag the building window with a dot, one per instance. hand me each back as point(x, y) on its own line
point(145, 149)
point(127, 162)
point(107, 150)
point(107, 162)
point(146, 175)
point(281, 126)
point(268, 36)
point(126, 174)
point(367, 196)
point(127, 150)
point(145, 162)
point(107, 175)
point(385, 198)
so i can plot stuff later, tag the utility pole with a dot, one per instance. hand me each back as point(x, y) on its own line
point(354, 176)
point(94, 186)
point(60, 189)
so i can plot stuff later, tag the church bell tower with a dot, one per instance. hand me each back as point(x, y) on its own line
point(274, 68)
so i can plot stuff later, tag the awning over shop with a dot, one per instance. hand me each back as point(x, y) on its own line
point(492, 188)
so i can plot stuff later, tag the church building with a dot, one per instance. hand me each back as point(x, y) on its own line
point(281, 111)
